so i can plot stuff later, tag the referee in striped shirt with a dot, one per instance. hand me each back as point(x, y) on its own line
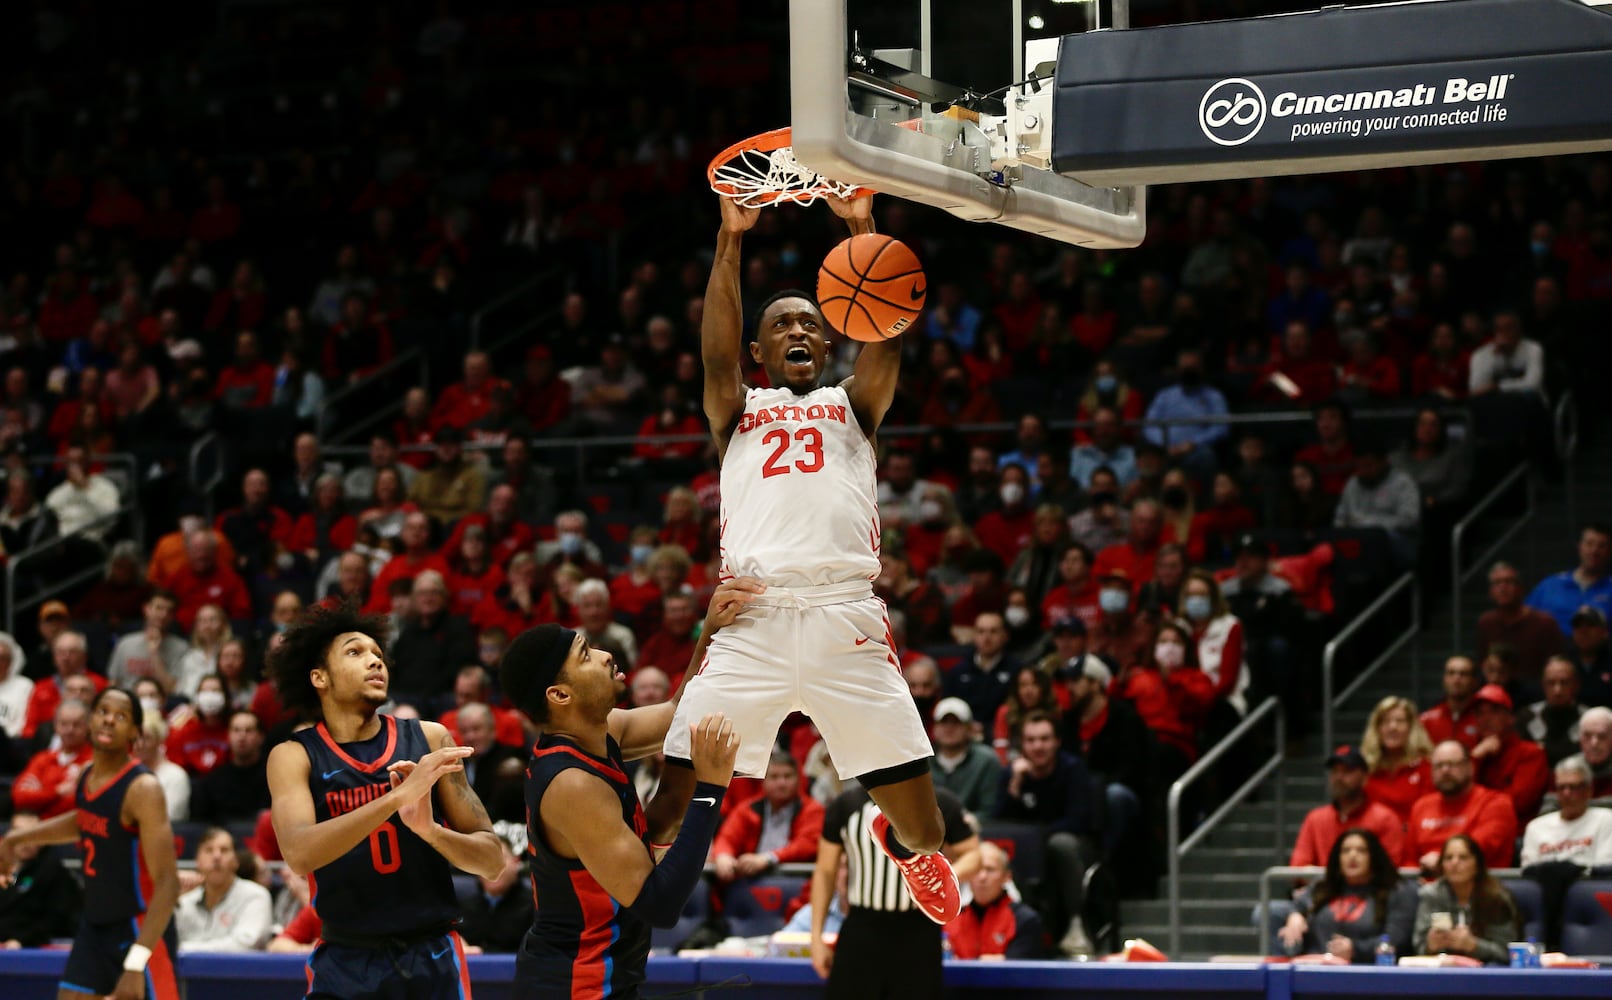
point(887, 947)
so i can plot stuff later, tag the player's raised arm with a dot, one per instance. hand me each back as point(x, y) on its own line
point(641, 731)
point(872, 387)
point(150, 810)
point(468, 841)
point(722, 329)
point(583, 816)
point(307, 844)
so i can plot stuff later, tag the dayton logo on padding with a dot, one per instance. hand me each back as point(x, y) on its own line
point(1231, 112)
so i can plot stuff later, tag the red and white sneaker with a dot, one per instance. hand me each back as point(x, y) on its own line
point(929, 878)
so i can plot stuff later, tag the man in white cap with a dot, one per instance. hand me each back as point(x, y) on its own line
point(961, 762)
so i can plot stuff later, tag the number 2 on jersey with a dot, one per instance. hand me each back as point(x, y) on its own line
point(89, 856)
point(394, 857)
point(811, 441)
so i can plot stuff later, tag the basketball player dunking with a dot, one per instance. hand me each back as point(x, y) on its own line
point(799, 514)
point(352, 805)
point(598, 887)
point(125, 945)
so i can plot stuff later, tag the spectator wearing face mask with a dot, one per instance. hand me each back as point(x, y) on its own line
point(570, 547)
point(1120, 635)
point(1192, 446)
point(1010, 527)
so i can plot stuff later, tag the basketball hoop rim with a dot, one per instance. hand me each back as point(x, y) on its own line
point(758, 195)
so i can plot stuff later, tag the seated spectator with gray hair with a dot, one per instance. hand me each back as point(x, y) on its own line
point(431, 647)
point(594, 620)
point(1577, 832)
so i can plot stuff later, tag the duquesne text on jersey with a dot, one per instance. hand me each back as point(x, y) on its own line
point(92, 824)
point(780, 414)
point(345, 800)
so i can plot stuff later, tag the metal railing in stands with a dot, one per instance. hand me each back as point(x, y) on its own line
point(330, 415)
point(1329, 656)
point(129, 507)
point(206, 483)
point(580, 445)
point(1459, 575)
point(1565, 423)
point(1176, 849)
point(1277, 872)
point(545, 287)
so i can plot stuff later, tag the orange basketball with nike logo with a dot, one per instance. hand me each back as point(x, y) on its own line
point(871, 287)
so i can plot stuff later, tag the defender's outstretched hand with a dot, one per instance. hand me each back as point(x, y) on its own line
point(713, 748)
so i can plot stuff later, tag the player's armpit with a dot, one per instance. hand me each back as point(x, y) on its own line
point(872, 387)
point(581, 818)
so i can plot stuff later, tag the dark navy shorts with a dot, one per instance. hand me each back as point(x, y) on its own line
point(432, 969)
point(95, 964)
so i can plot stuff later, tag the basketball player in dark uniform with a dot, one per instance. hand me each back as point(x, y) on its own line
point(598, 887)
point(354, 801)
point(125, 945)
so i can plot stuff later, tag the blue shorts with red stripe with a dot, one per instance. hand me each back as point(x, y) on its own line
point(431, 969)
point(95, 964)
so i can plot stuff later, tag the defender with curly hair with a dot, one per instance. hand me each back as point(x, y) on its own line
point(354, 809)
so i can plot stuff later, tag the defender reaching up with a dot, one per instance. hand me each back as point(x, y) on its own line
point(799, 513)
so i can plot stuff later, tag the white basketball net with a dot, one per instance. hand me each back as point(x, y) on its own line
point(754, 178)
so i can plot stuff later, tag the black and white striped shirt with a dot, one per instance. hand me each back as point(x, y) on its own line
point(875, 883)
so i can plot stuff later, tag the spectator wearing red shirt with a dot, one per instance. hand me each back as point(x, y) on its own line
point(204, 580)
point(1442, 370)
point(1457, 805)
point(1368, 374)
point(70, 655)
point(671, 646)
point(519, 602)
point(779, 826)
point(994, 925)
point(48, 783)
point(633, 592)
point(1018, 312)
point(681, 523)
point(472, 575)
point(66, 417)
point(1008, 529)
point(1332, 455)
point(1453, 718)
point(1298, 376)
point(472, 685)
point(1135, 556)
point(326, 529)
point(1214, 531)
point(248, 383)
point(1171, 694)
point(467, 401)
point(1505, 762)
point(1075, 596)
point(1349, 807)
point(414, 428)
point(219, 220)
point(416, 558)
point(199, 740)
point(1396, 748)
point(543, 397)
point(504, 531)
point(672, 416)
point(1121, 635)
point(357, 345)
point(241, 306)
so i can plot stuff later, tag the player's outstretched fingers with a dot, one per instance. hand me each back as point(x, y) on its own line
point(730, 600)
point(713, 748)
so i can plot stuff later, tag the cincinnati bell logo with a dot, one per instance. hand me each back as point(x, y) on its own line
point(1231, 112)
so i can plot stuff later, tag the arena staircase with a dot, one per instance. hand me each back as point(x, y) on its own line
point(1220, 878)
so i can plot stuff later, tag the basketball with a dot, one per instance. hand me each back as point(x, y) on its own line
point(871, 287)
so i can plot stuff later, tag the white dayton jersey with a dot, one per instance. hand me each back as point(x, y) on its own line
point(798, 493)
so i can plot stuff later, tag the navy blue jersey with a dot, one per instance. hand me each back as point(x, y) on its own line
point(391, 883)
point(117, 884)
point(582, 943)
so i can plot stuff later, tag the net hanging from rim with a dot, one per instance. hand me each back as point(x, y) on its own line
point(762, 170)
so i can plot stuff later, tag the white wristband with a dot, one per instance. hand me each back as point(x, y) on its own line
point(136, 959)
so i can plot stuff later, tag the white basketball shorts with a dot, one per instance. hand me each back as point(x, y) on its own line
point(833, 661)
